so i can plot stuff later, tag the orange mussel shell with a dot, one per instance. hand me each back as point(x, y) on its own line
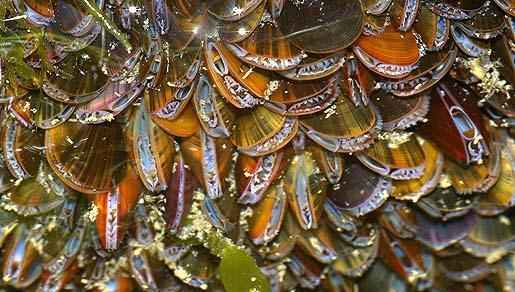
point(114, 208)
point(396, 51)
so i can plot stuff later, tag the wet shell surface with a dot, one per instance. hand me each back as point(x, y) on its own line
point(257, 145)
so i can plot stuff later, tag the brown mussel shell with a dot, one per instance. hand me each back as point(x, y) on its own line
point(73, 155)
point(306, 25)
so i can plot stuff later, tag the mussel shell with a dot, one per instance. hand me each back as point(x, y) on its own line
point(198, 268)
point(505, 269)
point(352, 261)
point(381, 277)
point(64, 43)
point(191, 151)
point(86, 73)
point(109, 102)
point(352, 229)
point(216, 156)
point(398, 218)
point(37, 110)
point(38, 12)
point(445, 204)
point(22, 264)
point(183, 124)
point(487, 24)
point(267, 215)
point(343, 119)
point(276, 274)
point(307, 25)
point(141, 230)
point(303, 98)
point(268, 48)
point(357, 82)
point(161, 15)
point(331, 163)
point(391, 54)
point(437, 234)
point(167, 102)
point(183, 66)
point(239, 30)
point(291, 92)
point(413, 189)
point(284, 243)
point(404, 256)
point(476, 177)
point(266, 123)
point(375, 24)
point(56, 282)
point(395, 160)
point(432, 28)
point(142, 268)
point(502, 53)
point(174, 252)
point(38, 194)
point(255, 80)
point(399, 114)
point(255, 175)
point(43, 7)
point(232, 10)
point(179, 194)
point(117, 280)
point(457, 10)
point(319, 243)
point(152, 149)
point(62, 248)
point(20, 149)
point(507, 5)
point(74, 154)
point(306, 271)
point(360, 191)
point(458, 121)
point(431, 68)
point(315, 67)
point(376, 7)
point(218, 64)
point(463, 268)
point(491, 237)
point(6, 178)
point(501, 195)
point(215, 115)
point(305, 188)
point(71, 18)
point(185, 29)
point(470, 46)
point(404, 13)
point(114, 208)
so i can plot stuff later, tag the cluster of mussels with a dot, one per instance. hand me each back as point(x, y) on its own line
point(343, 145)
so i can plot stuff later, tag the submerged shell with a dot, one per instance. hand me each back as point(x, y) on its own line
point(399, 161)
point(343, 126)
point(391, 54)
point(310, 23)
point(305, 188)
point(413, 189)
point(72, 154)
point(266, 220)
point(359, 191)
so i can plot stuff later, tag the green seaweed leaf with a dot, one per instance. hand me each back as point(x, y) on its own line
point(239, 272)
point(111, 27)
